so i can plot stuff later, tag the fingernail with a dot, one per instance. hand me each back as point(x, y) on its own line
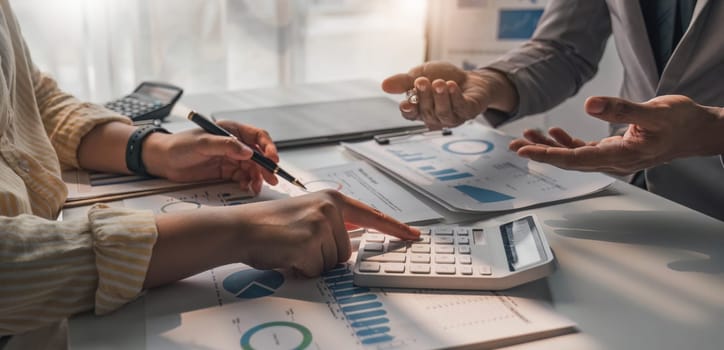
point(596, 105)
point(406, 108)
point(439, 89)
point(451, 89)
point(421, 87)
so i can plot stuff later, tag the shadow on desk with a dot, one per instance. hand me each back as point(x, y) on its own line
point(666, 229)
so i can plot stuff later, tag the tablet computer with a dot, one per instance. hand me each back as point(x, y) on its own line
point(325, 122)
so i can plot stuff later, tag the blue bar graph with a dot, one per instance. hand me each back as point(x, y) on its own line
point(356, 299)
point(349, 292)
point(443, 172)
point(360, 307)
point(340, 286)
point(410, 157)
point(373, 331)
point(348, 278)
point(454, 177)
point(372, 322)
point(375, 340)
point(367, 314)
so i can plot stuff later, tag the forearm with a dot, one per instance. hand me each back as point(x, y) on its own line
point(189, 243)
point(503, 94)
point(104, 148)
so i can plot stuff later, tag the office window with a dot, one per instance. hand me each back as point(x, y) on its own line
point(99, 50)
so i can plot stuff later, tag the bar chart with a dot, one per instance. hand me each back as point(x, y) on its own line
point(361, 307)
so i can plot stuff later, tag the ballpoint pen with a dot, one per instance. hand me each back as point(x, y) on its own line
point(266, 163)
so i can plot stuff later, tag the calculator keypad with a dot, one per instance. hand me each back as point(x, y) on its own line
point(133, 107)
point(444, 251)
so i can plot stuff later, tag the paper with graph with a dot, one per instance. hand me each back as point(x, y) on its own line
point(253, 309)
point(473, 170)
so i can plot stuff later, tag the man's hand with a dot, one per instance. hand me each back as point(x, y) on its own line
point(660, 130)
point(448, 96)
point(196, 155)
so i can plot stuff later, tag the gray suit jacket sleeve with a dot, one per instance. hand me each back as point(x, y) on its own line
point(562, 55)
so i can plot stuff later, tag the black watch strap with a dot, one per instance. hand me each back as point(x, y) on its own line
point(134, 162)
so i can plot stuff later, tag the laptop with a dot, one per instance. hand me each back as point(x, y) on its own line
point(325, 122)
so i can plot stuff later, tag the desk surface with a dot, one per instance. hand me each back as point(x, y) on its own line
point(634, 271)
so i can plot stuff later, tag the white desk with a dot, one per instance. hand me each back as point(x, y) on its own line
point(634, 271)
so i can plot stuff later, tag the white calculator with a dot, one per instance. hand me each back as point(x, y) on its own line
point(491, 256)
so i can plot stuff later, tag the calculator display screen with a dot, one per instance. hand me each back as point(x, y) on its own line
point(160, 93)
point(522, 243)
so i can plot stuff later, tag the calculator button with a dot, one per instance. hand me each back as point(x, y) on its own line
point(423, 240)
point(443, 231)
point(386, 257)
point(393, 239)
point(444, 249)
point(420, 258)
point(461, 231)
point(369, 267)
point(444, 240)
point(425, 231)
point(372, 230)
point(485, 270)
point(464, 249)
point(419, 248)
point(416, 268)
point(356, 232)
point(393, 267)
point(373, 247)
point(445, 269)
point(371, 237)
point(397, 247)
point(465, 259)
point(466, 270)
point(444, 259)
point(463, 240)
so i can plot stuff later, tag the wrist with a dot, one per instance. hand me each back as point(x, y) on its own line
point(502, 92)
point(153, 153)
point(712, 140)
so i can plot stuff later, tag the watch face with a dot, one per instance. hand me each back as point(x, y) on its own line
point(160, 93)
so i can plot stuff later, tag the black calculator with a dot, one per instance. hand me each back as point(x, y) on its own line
point(150, 100)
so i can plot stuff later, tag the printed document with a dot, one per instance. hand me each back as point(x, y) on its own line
point(472, 170)
point(253, 309)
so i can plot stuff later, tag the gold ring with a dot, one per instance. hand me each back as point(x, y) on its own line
point(412, 96)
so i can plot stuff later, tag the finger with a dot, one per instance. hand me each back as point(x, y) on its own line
point(618, 110)
point(586, 158)
point(398, 83)
point(563, 138)
point(443, 107)
point(329, 255)
point(426, 104)
point(358, 213)
point(463, 107)
point(516, 144)
point(409, 111)
point(342, 245)
point(212, 145)
point(253, 137)
point(537, 137)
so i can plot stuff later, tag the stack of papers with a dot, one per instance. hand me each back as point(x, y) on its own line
point(472, 170)
point(253, 309)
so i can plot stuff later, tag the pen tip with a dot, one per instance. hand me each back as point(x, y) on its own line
point(296, 182)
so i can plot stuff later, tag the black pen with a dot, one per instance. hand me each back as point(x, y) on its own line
point(266, 163)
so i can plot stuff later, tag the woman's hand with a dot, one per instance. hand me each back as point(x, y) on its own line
point(305, 234)
point(196, 155)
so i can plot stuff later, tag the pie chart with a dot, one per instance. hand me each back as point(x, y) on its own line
point(250, 284)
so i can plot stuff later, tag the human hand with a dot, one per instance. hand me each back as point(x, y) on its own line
point(306, 234)
point(196, 155)
point(448, 96)
point(660, 130)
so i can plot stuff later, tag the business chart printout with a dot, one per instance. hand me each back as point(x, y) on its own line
point(254, 309)
point(473, 170)
point(357, 180)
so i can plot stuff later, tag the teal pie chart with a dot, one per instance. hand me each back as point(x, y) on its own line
point(250, 284)
point(277, 335)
